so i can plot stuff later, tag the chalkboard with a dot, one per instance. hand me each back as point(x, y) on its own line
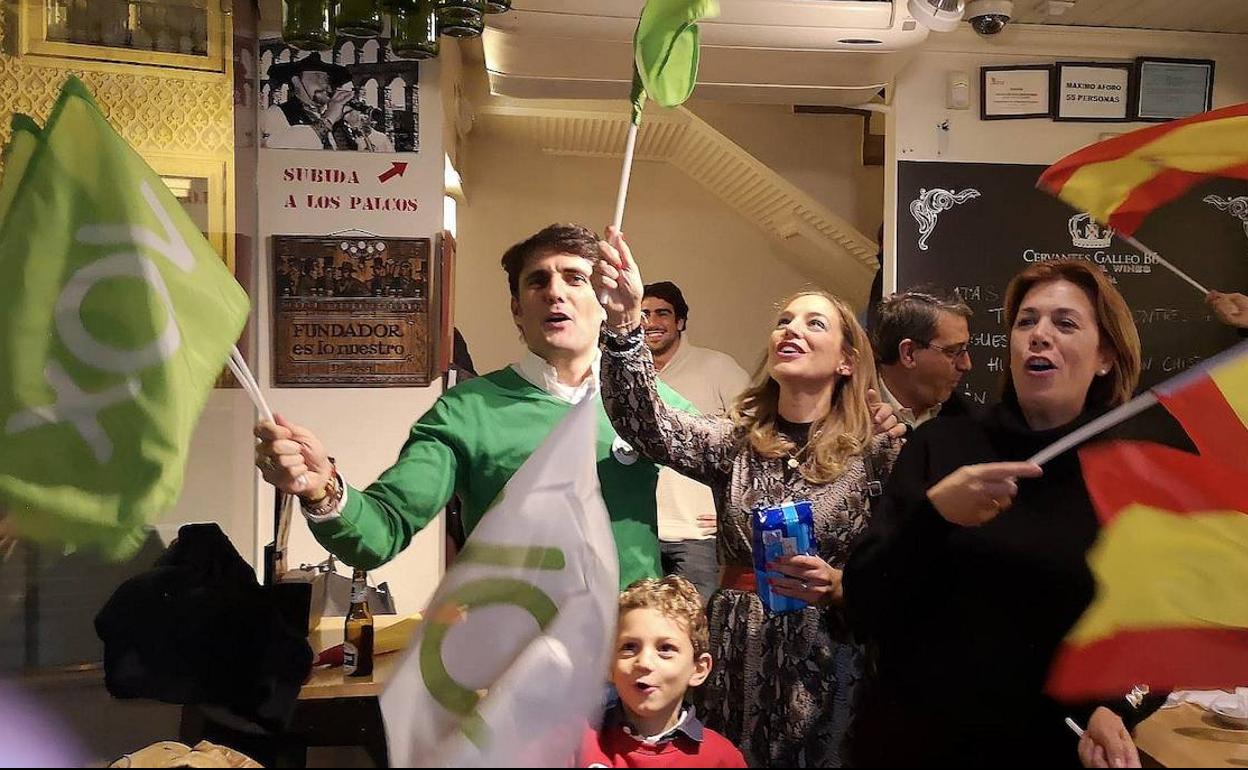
point(970, 227)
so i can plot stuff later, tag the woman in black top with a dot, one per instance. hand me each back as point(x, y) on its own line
point(973, 568)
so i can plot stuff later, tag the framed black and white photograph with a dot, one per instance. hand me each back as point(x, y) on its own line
point(1011, 93)
point(1092, 91)
point(1172, 88)
point(356, 97)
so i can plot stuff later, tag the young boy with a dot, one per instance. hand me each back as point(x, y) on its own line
point(660, 652)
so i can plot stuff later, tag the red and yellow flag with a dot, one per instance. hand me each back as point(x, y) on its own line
point(1171, 562)
point(1120, 181)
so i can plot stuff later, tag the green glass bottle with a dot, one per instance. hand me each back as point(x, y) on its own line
point(358, 18)
point(413, 30)
point(497, 6)
point(305, 24)
point(461, 18)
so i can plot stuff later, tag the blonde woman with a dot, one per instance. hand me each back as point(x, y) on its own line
point(805, 430)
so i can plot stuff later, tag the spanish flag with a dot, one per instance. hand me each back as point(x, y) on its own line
point(1171, 561)
point(1122, 180)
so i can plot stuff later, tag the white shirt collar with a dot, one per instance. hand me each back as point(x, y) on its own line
point(537, 371)
point(904, 413)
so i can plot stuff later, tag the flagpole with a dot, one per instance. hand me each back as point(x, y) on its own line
point(1104, 422)
point(1150, 253)
point(630, 144)
point(242, 373)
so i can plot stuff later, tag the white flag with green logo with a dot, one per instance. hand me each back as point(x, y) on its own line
point(116, 317)
point(511, 660)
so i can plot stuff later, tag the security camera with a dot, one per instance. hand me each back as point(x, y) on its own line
point(989, 17)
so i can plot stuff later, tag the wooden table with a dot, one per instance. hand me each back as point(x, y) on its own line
point(332, 709)
point(1189, 736)
point(332, 682)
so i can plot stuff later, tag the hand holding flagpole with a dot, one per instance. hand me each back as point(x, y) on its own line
point(665, 69)
point(242, 373)
point(626, 172)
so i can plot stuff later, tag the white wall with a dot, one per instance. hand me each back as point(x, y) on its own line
point(726, 267)
point(918, 97)
point(363, 428)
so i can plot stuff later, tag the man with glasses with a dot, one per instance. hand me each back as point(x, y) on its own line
point(921, 341)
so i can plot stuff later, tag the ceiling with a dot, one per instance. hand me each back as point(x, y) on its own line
point(1186, 15)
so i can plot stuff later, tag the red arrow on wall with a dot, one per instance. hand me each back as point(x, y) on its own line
point(396, 169)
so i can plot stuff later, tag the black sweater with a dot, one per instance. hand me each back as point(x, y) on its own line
point(965, 621)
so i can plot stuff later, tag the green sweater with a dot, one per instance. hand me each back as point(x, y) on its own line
point(470, 442)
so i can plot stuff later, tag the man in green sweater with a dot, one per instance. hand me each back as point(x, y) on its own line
point(480, 432)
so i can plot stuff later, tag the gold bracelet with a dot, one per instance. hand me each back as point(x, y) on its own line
point(327, 504)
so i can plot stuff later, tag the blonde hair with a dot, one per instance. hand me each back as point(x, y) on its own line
point(1113, 320)
point(676, 599)
point(844, 432)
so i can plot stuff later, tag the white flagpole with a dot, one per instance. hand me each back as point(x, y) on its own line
point(242, 373)
point(1154, 255)
point(630, 145)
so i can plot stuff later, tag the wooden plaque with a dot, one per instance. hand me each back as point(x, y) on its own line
point(355, 311)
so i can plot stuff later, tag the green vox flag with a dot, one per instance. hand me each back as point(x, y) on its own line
point(665, 51)
point(116, 316)
point(15, 159)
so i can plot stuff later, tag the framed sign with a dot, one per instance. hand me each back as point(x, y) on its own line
point(382, 108)
point(1015, 92)
point(186, 34)
point(1172, 88)
point(1092, 91)
point(357, 311)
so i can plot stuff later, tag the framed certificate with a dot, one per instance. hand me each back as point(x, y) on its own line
point(1007, 93)
point(1092, 91)
point(1172, 88)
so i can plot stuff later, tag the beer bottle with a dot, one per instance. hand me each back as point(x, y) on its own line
point(357, 648)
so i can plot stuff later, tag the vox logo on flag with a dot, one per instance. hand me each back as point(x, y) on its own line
point(78, 407)
point(116, 317)
point(509, 664)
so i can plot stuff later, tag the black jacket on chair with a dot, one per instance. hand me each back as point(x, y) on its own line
point(198, 629)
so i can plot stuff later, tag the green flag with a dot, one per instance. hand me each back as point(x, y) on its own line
point(116, 316)
point(16, 156)
point(665, 51)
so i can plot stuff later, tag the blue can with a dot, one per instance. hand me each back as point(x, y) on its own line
point(783, 530)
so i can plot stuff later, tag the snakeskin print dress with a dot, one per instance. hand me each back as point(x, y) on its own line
point(782, 686)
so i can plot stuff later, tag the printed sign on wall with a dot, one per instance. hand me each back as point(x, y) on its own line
point(1092, 92)
point(358, 310)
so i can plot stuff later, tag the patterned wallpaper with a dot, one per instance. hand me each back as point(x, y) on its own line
point(160, 111)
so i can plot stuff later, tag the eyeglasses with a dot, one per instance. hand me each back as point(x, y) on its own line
point(953, 353)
